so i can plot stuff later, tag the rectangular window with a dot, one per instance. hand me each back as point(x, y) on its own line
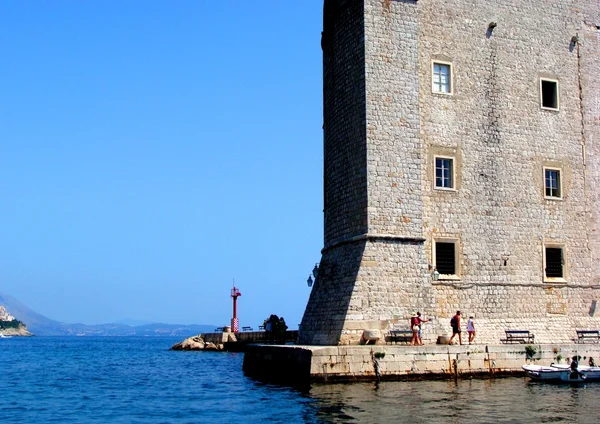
point(552, 183)
point(554, 262)
point(549, 94)
point(442, 78)
point(444, 172)
point(445, 257)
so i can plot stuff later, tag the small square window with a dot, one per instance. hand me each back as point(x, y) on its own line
point(442, 78)
point(445, 257)
point(554, 262)
point(549, 94)
point(444, 173)
point(552, 183)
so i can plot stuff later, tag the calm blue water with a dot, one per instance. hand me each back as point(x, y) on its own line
point(138, 380)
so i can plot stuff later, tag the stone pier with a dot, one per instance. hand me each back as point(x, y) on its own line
point(312, 364)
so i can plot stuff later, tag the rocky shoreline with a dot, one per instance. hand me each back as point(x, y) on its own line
point(227, 341)
point(197, 343)
point(20, 331)
point(10, 326)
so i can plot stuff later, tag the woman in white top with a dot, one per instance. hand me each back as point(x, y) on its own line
point(471, 329)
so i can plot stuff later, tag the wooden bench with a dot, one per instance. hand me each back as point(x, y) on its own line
point(247, 328)
point(219, 330)
point(400, 336)
point(518, 336)
point(584, 335)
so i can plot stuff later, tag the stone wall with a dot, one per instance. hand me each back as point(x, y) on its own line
point(306, 364)
point(345, 191)
point(494, 125)
point(394, 151)
point(329, 303)
point(383, 212)
point(369, 283)
point(588, 51)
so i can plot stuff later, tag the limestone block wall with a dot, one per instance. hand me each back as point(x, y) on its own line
point(325, 315)
point(501, 139)
point(384, 127)
point(345, 190)
point(367, 284)
point(394, 153)
point(588, 51)
point(347, 363)
point(509, 308)
point(494, 122)
point(382, 166)
point(305, 364)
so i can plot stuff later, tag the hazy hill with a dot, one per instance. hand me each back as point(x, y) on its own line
point(40, 325)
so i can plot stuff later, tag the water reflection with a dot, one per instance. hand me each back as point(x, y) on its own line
point(510, 400)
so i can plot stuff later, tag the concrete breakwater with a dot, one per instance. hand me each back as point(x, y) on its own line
point(229, 341)
point(307, 364)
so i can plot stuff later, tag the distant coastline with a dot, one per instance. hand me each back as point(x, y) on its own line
point(10, 332)
point(39, 325)
point(10, 326)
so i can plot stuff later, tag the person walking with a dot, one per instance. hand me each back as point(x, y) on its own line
point(471, 329)
point(421, 321)
point(455, 324)
point(414, 327)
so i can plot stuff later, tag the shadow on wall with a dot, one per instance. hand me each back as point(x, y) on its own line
point(329, 301)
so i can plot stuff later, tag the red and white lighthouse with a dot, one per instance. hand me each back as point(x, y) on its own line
point(235, 323)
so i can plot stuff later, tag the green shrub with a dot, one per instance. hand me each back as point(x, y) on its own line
point(15, 323)
point(530, 351)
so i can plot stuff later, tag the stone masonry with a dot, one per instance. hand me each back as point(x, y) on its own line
point(523, 100)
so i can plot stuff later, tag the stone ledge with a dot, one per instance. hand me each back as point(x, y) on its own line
point(371, 236)
point(307, 364)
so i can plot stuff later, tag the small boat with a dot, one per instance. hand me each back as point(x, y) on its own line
point(591, 373)
point(554, 374)
point(2, 336)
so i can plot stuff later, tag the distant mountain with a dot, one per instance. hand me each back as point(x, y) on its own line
point(132, 322)
point(40, 325)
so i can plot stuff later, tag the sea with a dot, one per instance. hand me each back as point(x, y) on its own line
point(139, 380)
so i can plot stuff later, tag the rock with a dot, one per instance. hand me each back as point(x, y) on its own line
point(210, 346)
point(371, 336)
point(21, 331)
point(191, 343)
point(443, 340)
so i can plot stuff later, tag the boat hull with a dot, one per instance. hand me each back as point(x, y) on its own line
point(591, 373)
point(553, 374)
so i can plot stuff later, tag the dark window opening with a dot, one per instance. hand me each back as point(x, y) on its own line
point(550, 94)
point(554, 262)
point(445, 259)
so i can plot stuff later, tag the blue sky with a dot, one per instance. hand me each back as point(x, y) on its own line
point(151, 152)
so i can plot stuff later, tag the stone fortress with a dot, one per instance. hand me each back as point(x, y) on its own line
point(461, 168)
